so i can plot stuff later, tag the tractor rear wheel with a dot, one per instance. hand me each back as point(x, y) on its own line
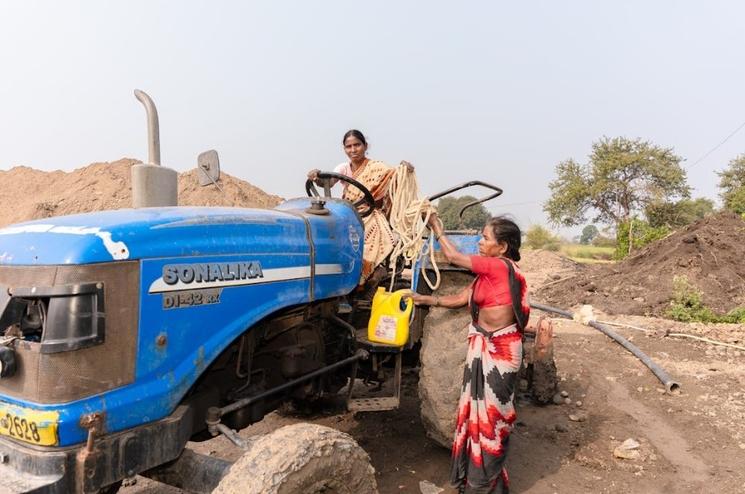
point(305, 458)
point(442, 357)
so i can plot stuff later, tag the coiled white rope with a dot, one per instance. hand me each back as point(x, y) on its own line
point(7, 340)
point(409, 217)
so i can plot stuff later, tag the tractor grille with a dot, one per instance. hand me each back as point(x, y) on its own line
point(74, 374)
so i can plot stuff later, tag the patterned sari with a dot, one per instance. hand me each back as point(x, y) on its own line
point(486, 409)
point(376, 176)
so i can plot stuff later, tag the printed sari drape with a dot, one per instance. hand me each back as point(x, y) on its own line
point(379, 241)
point(486, 411)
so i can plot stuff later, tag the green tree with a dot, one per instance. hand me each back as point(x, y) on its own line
point(621, 178)
point(588, 234)
point(604, 241)
point(474, 217)
point(736, 201)
point(678, 214)
point(732, 185)
point(538, 237)
point(635, 234)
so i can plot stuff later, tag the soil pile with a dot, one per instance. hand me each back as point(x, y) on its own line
point(542, 266)
point(27, 194)
point(235, 192)
point(710, 253)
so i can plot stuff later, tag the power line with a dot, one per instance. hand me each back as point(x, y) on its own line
point(702, 158)
point(518, 203)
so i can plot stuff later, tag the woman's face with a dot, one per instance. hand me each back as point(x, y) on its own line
point(489, 246)
point(354, 148)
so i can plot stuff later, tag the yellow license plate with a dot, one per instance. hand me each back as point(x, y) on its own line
point(31, 426)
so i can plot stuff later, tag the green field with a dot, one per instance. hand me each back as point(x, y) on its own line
point(587, 253)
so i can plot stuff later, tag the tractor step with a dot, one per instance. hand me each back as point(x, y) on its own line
point(373, 404)
point(372, 346)
point(379, 353)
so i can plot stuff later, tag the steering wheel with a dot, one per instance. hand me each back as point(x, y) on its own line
point(327, 177)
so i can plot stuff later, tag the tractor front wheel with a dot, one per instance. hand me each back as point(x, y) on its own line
point(305, 458)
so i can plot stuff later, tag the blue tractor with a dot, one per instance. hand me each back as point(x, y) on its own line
point(128, 333)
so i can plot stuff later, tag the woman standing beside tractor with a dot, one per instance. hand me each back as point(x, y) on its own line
point(499, 314)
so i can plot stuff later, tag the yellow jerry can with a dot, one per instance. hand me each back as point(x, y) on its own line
point(389, 322)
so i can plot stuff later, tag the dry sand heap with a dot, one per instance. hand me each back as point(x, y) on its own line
point(542, 266)
point(27, 194)
point(710, 253)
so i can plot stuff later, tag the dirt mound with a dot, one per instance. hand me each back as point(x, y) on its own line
point(543, 266)
point(710, 253)
point(236, 192)
point(27, 194)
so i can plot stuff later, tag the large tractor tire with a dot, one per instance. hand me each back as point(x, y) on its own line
point(442, 357)
point(301, 458)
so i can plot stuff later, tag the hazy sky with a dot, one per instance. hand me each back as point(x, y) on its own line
point(492, 90)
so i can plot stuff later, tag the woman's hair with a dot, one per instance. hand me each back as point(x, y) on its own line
point(354, 133)
point(506, 230)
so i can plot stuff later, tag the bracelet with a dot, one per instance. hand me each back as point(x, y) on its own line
point(437, 301)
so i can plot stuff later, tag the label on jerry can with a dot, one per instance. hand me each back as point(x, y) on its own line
point(386, 328)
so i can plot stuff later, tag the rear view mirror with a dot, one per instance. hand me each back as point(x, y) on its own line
point(208, 164)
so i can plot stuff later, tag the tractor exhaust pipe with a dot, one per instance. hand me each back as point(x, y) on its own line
point(153, 185)
point(153, 128)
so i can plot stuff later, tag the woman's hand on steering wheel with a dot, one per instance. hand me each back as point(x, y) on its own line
point(327, 180)
point(313, 175)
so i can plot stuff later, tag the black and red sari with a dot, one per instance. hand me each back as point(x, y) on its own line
point(486, 410)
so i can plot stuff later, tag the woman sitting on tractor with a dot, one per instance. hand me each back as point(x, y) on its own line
point(376, 177)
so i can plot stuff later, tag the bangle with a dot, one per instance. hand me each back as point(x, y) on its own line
point(437, 301)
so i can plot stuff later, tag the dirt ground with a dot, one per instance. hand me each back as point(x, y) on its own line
point(693, 441)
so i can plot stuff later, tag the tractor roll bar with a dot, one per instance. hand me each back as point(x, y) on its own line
point(497, 193)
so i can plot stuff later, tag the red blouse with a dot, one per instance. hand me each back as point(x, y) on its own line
point(492, 285)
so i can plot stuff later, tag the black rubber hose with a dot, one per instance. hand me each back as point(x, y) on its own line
point(658, 371)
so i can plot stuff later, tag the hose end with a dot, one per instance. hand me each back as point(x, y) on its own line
point(672, 388)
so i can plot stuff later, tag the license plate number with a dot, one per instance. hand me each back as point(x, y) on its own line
point(29, 426)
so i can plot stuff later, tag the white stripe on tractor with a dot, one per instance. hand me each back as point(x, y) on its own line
point(270, 275)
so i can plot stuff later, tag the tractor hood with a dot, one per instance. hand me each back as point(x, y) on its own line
point(130, 234)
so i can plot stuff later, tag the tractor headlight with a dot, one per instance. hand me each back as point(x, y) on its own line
point(60, 317)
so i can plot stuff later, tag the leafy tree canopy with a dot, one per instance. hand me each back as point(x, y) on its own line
point(538, 237)
point(603, 241)
point(588, 234)
point(678, 214)
point(621, 178)
point(474, 218)
point(635, 234)
point(732, 185)
point(736, 201)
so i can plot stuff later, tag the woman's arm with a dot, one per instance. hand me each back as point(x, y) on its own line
point(450, 301)
point(448, 249)
point(313, 175)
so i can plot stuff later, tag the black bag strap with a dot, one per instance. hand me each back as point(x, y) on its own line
point(521, 320)
point(474, 307)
